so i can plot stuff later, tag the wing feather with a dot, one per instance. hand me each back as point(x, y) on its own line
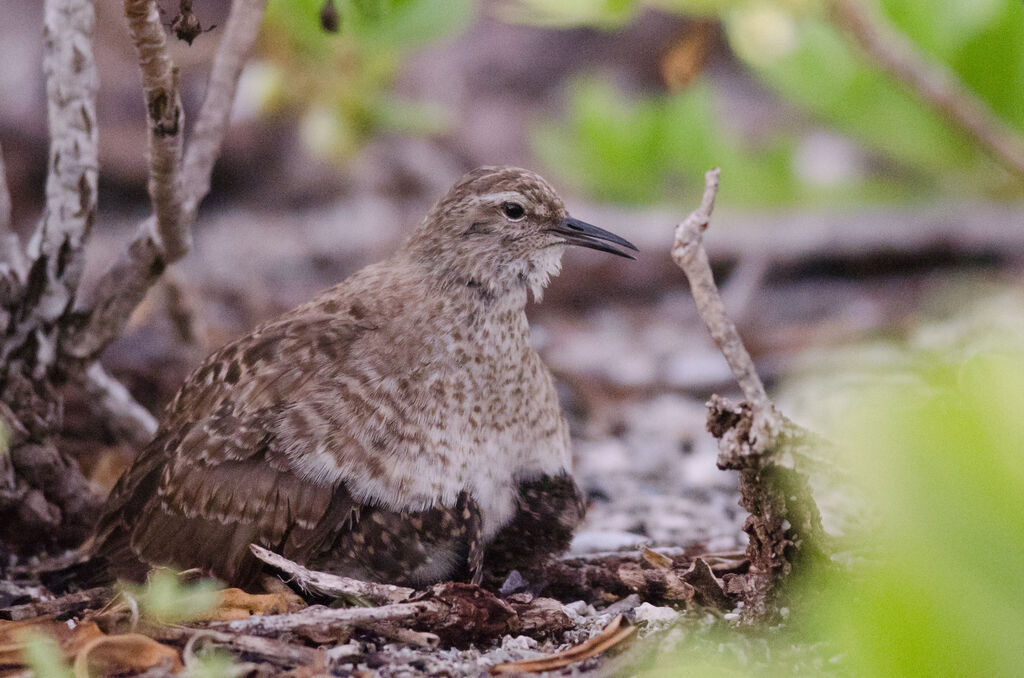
point(217, 477)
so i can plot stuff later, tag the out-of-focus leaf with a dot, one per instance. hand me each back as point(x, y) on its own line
point(123, 654)
point(42, 654)
point(656, 148)
point(235, 603)
point(165, 599)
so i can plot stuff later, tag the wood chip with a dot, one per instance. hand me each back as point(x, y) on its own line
point(655, 559)
point(613, 634)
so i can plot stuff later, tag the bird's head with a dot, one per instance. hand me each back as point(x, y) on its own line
point(503, 229)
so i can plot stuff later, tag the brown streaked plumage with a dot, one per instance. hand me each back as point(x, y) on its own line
point(389, 429)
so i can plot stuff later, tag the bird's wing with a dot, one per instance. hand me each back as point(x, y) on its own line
point(216, 477)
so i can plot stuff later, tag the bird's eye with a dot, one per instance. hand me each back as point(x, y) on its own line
point(513, 210)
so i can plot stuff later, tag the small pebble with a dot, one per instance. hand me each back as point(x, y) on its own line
point(655, 615)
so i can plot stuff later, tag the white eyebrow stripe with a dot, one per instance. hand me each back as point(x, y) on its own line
point(502, 196)
point(499, 197)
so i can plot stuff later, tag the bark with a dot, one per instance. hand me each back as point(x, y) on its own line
point(55, 333)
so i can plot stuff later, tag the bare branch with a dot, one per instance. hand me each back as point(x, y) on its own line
point(71, 85)
point(124, 285)
point(933, 83)
point(615, 632)
point(327, 584)
point(5, 199)
point(166, 125)
point(279, 652)
point(12, 259)
point(318, 621)
point(784, 524)
point(240, 33)
point(688, 252)
point(128, 419)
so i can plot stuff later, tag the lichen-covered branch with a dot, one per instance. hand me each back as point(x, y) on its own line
point(42, 486)
point(56, 247)
point(123, 286)
point(936, 85)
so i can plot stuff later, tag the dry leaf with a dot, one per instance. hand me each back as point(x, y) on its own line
point(71, 639)
point(125, 653)
point(613, 634)
point(237, 604)
point(685, 60)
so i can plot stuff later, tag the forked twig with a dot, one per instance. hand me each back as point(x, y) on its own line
point(123, 286)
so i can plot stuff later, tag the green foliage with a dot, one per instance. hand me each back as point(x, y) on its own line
point(794, 47)
point(214, 664)
point(651, 148)
point(44, 657)
point(932, 442)
point(165, 599)
point(341, 81)
point(940, 457)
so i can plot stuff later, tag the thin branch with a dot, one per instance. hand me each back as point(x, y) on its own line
point(688, 253)
point(615, 632)
point(166, 125)
point(71, 84)
point(318, 621)
point(5, 198)
point(240, 33)
point(327, 584)
point(936, 85)
point(128, 419)
point(12, 259)
point(123, 286)
point(275, 651)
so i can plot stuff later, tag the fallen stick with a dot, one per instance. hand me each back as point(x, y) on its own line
point(272, 650)
point(458, 613)
point(613, 634)
point(332, 585)
point(70, 604)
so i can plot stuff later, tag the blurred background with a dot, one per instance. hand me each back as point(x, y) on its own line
point(862, 236)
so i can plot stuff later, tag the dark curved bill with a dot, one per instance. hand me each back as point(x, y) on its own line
point(576, 232)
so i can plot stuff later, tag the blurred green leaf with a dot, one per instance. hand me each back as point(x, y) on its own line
point(620, 147)
point(166, 599)
point(213, 664)
point(657, 148)
point(341, 82)
point(43, 656)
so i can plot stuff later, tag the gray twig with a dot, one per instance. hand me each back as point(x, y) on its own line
point(689, 254)
point(12, 259)
point(324, 583)
point(936, 85)
point(56, 246)
point(240, 33)
point(5, 198)
point(128, 419)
